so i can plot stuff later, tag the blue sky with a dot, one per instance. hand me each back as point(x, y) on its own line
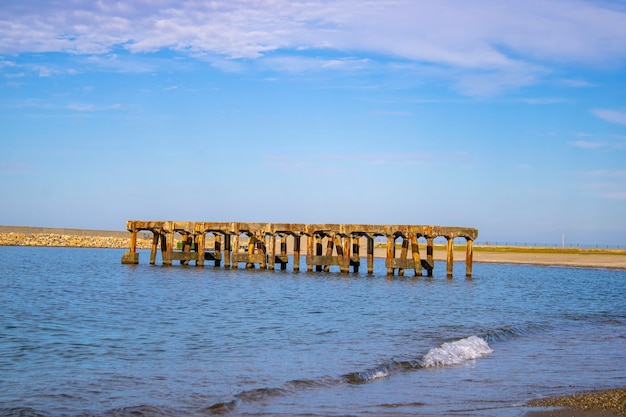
point(505, 116)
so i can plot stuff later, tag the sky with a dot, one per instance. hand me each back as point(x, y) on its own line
point(505, 116)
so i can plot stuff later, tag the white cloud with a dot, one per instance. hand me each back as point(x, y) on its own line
point(486, 46)
point(612, 116)
point(585, 144)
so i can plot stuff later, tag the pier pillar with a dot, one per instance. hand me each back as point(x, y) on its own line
point(199, 242)
point(370, 254)
point(261, 249)
point(153, 249)
point(251, 245)
point(235, 250)
point(429, 254)
point(169, 247)
point(309, 251)
point(272, 253)
point(131, 257)
point(391, 253)
point(356, 240)
point(330, 244)
point(296, 252)
point(226, 251)
point(415, 252)
point(283, 252)
point(450, 256)
point(403, 254)
point(469, 258)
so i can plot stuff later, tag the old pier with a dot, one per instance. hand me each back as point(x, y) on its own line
point(265, 245)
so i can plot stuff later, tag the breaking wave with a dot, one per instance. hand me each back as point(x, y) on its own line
point(456, 353)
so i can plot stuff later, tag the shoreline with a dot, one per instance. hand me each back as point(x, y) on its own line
point(568, 257)
point(596, 403)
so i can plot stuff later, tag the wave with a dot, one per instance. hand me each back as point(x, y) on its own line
point(450, 353)
point(456, 353)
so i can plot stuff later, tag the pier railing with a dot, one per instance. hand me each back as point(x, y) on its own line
point(326, 245)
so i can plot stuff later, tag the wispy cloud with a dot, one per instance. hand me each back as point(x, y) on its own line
point(611, 115)
point(83, 107)
point(585, 144)
point(485, 47)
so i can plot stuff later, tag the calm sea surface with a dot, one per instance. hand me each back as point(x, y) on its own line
point(81, 334)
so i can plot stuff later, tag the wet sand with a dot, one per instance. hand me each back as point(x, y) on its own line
point(615, 259)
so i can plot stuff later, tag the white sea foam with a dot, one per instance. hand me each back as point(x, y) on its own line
point(457, 352)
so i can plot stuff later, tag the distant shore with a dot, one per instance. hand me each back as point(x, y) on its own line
point(571, 257)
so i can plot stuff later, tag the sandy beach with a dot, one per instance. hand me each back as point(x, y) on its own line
point(601, 403)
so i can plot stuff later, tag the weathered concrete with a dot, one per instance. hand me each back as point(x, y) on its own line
point(342, 243)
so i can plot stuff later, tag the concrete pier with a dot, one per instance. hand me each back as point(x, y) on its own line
point(265, 245)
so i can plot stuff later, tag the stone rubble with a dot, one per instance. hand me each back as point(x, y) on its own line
point(55, 240)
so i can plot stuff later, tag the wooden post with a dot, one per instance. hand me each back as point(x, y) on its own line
point(199, 242)
point(153, 249)
point(429, 254)
point(469, 257)
point(272, 253)
point(370, 254)
point(296, 252)
point(450, 257)
point(391, 253)
point(415, 251)
point(330, 244)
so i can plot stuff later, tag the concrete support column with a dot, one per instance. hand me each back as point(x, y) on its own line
point(153, 248)
point(469, 257)
point(370, 254)
point(429, 254)
point(272, 253)
point(391, 253)
point(199, 242)
point(226, 251)
point(329, 251)
point(296, 252)
point(318, 250)
point(450, 257)
point(309, 251)
point(217, 250)
point(235, 250)
point(283, 251)
point(415, 252)
point(356, 240)
point(403, 253)
point(131, 257)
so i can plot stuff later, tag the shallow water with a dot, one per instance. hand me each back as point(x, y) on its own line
point(81, 334)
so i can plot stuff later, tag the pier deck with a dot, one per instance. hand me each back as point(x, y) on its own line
point(265, 245)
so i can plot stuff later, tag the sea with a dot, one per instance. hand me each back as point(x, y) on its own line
point(83, 335)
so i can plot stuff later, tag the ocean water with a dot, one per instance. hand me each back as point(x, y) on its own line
point(83, 335)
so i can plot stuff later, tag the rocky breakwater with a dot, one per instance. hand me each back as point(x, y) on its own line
point(76, 241)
